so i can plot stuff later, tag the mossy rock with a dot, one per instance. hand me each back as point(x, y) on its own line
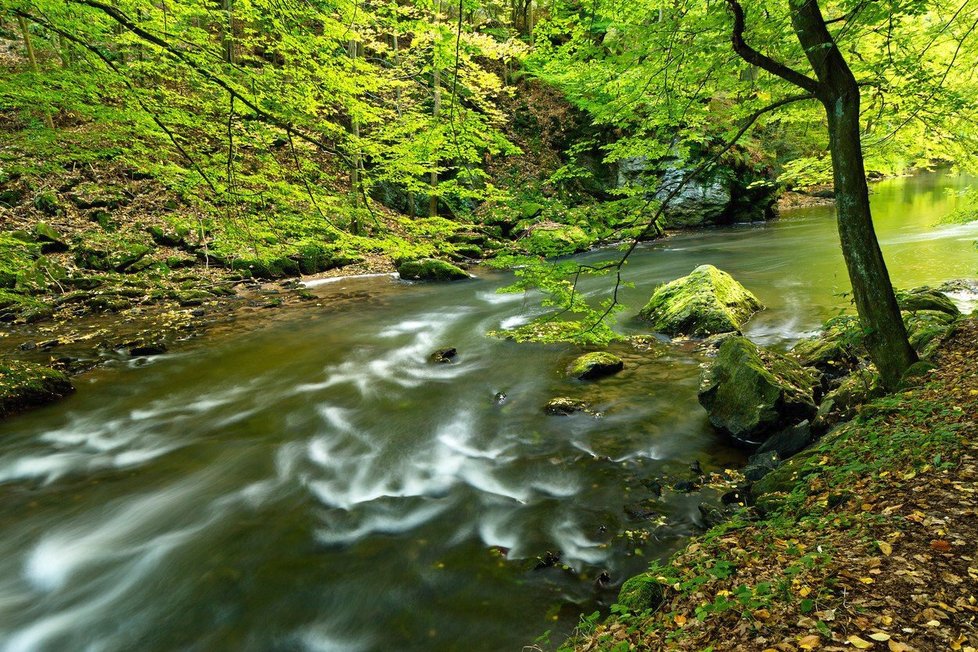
point(706, 302)
point(24, 385)
point(165, 237)
point(858, 388)
point(95, 195)
point(595, 365)
point(47, 202)
point(750, 394)
point(51, 241)
point(552, 239)
point(926, 298)
point(641, 593)
point(562, 406)
point(926, 329)
point(836, 350)
point(110, 256)
point(430, 269)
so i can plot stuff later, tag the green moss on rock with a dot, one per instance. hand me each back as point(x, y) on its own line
point(750, 394)
point(926, 298)
point(552, 239)
point(595, 365)
point(706, 302)
point(24, 385)
point(430, 269)
point(641, 593)
point(926, 329)
point(836, 349)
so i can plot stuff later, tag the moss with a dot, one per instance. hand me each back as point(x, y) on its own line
point(24, 385)
point(47, 202)
point(926, 298)
point(556, 240)
point(544, 331)
point(837, 348)
point(706, 302)
point(926, 329)
point(430, 269)
point(641, 593)
point(750, 393)
point(105, 253)
point(595, 365)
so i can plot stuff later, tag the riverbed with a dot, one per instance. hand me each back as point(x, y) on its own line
point(317, 484)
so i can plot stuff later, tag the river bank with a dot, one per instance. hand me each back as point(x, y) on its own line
point(864, 541)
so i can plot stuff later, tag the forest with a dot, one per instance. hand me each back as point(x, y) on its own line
point(532, 325)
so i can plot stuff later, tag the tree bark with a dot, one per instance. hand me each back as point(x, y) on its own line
point(32, 58)
point(836, 88)
point(436, 109)
point(872, 290)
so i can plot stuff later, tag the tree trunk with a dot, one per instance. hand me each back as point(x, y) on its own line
point(32, 58)
point(436, 110)
point(886, 336)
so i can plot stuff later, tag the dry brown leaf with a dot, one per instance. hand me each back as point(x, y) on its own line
point(810, 642)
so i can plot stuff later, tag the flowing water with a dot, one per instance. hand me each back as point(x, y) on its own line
point(317, 484)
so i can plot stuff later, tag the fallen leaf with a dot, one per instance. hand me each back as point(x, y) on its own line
point(680, 620)
point(859, 643)
point(885, 548)
point(880, 636)
point(940, 545)
point(897, 647)
point(809, 642)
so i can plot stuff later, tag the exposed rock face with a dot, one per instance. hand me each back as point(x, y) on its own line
point(751, 394)
point(706, 302)
point(24, 385)
point(732, 193)
point(595, 365)
point(430, 269)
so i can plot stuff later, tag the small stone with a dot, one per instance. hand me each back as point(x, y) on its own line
point(443, 356)
point(595, 365)
point(563, 406)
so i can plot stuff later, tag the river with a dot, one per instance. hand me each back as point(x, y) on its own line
point(316, 484)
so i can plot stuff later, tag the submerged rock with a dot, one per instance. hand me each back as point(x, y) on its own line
point(706, 302)
point(430, 269)
point(595, 365)
point(562, 406)
point(750, 394)
point(443, 356)
point(24, 385)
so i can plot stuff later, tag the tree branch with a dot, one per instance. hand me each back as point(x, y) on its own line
point(750, 55)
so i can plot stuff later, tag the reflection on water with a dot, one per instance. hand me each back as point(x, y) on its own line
point(319, 485)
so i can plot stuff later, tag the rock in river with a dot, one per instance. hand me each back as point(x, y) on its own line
point(595, 365)
point(430, 269)
point(750, 394)
point(24, 385)
point(706, 302)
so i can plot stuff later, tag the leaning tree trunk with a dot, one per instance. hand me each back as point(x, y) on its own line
point(886, 336)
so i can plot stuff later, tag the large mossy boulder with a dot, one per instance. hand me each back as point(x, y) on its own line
point(553, 239)
point(117, 256)
point(24, 385)
point(430, 269)
point(706, 302)
point(926, 298)
point(595, 365)
point(750, 393)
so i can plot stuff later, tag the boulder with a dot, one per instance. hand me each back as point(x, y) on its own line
point(706, 302)
point(24, 385)
point(554, 239)
point(926, 298)
point(116, 257)
point(430, 269)
point(789, 441)
point(751, 394)
point(595, 365)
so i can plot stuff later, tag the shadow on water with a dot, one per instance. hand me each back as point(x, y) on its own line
point(319, 485)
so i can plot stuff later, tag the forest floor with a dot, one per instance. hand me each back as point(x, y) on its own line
point(870, 543)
